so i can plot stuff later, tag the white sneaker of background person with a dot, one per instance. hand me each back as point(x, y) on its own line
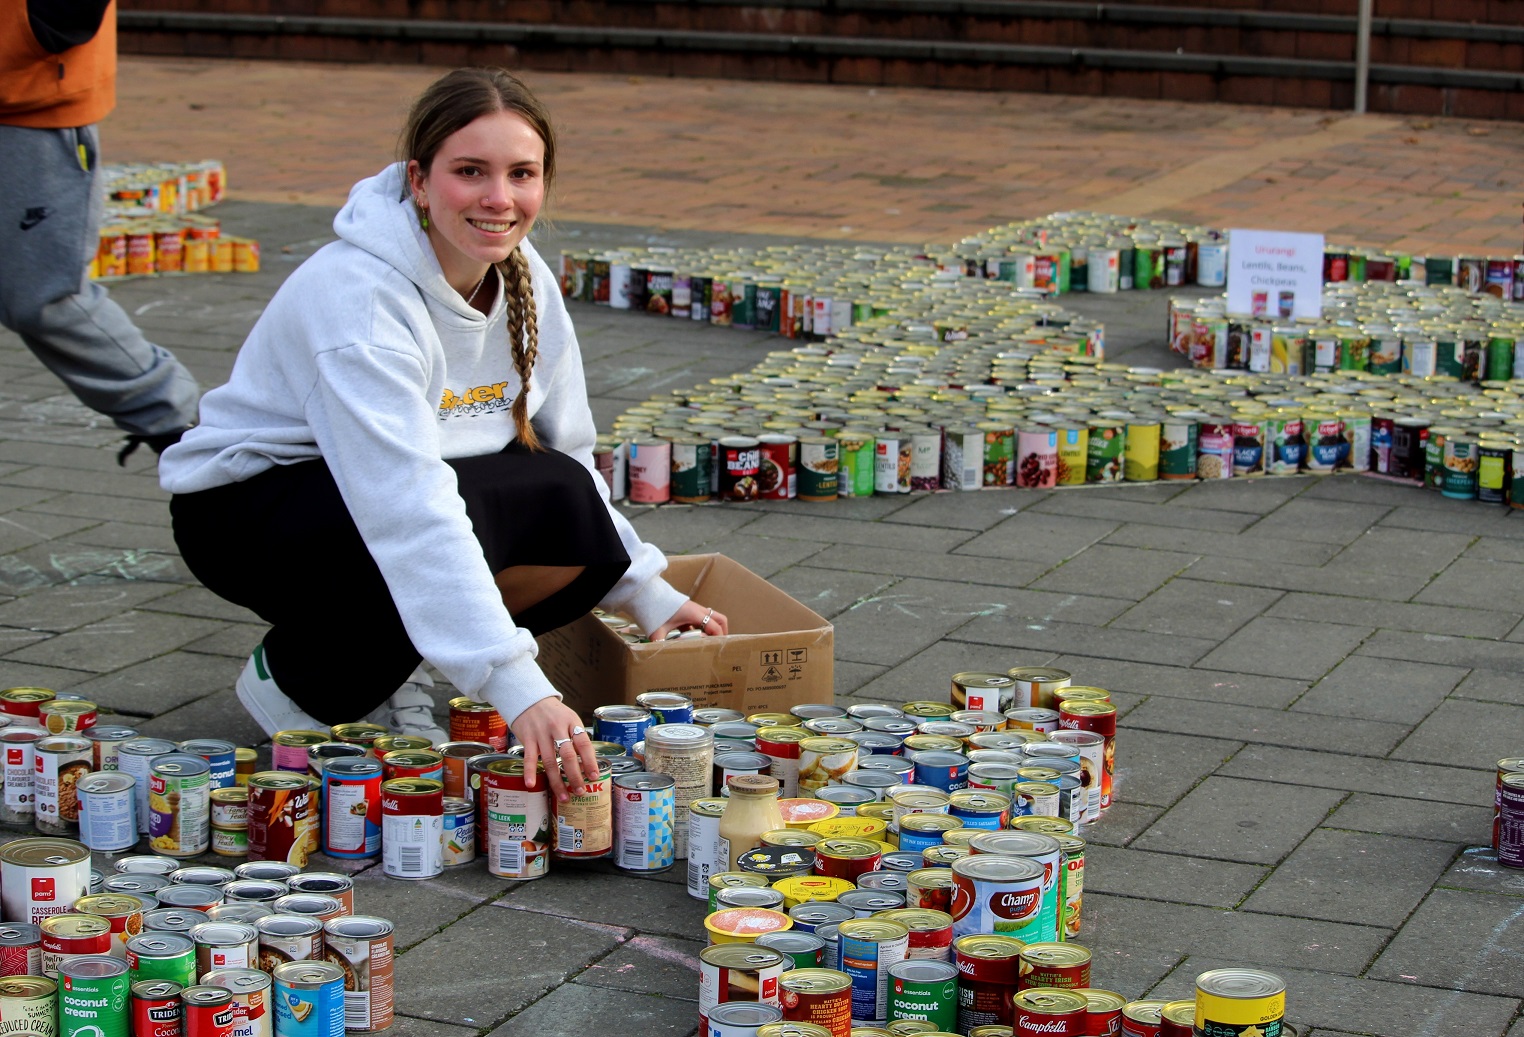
point(410, 710)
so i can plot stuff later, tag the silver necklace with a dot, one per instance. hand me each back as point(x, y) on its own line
point(472, 297)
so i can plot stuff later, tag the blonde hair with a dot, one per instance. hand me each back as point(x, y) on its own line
point(451, 103)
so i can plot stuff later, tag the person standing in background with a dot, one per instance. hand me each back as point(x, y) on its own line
point(57, 80)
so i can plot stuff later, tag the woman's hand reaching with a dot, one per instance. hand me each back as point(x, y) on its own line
point(552, 734)
point(693, 615)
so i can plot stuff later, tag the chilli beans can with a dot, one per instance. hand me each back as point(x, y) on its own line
point(362, 947)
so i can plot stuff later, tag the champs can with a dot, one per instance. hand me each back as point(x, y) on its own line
point(60, 762)
point(513, 823)
point(1001, 895)
point(351, 809)
point(41, 877)
point(867, 948)
point(412, 828)
point(644, 805)
point(252, 1011)
point(924, 990)
point(1234, 1001)
point(1050, 1013)
point(737, 972)
point(280, 812)
point(20, 950)
point(362, 947)
point(821, 997)
point(163, 956)
point(988, 968)
point(309, 999)
point(179, 805)
point(156, 1008)
point(18, 805)
point(108, 811)
point(93, 997)
point(472, 721)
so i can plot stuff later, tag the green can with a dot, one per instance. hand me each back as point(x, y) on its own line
point(1439, 270)
point(1354, 351)
point(800, 950)
point(743, 310)
point(1285, 443)
point(819, 468)
point(999, 453)
point(1449, 354)
point(692, 469)
point(1148, 266)
point(767, 315)
point(1460, 466)
point(1494, 467)
point(855, 463)
point(161, 955)
point(93, 996)
point(924, 989)
point(1104, 453)
point(1434, 457)
point(1177, 448)
point(1500, 350)
point(1385, 355)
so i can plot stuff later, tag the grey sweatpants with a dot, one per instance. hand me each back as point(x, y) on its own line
point(50, 213)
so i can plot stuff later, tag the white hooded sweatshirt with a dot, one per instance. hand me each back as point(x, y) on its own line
point(367, 358)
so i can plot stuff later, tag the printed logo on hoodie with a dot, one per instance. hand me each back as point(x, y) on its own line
point(475, 401)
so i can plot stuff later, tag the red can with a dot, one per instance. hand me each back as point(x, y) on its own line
point(1098, 718)
point(740, 468)
point(780, 460)
point(455, 756)
point(20, 949)
point(207, 1011)
point(1055, 965)
point(413, 763)
point(1043, 1012)
point(1104, 1017)
point(472, 721)
point(156, 1008)
point(931, 931)
point(846, 858)
point(988, 968)
point(70, 936)
point(1142, 1018)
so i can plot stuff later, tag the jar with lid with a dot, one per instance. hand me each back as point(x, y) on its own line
point(751, 810)
point(685, 752)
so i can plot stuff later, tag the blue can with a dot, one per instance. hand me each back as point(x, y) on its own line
point(941, 769)
point(219, 755)
point(644, 818)
point(814, 914)
point(867, 947)
point(666, 707)
point(309, 999)
point(623, 725)
point(352, 807)
point(981, 808)
point(873, 743)
point(920, 832)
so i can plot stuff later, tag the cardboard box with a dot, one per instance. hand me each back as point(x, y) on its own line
point(778, 653)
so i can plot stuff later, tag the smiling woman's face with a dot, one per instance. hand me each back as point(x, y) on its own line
point(482, 190)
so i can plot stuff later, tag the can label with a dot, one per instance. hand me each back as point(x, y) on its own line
point(367, 965)
point(932, 1000)
point(56, 774)
point(867, 963)
point(317, 1012)
point(352, 815)
point(412, 835)
point(20, 798)
point(516, 823)
point(278, 820)
point(96, 1007)
point(643, 839)
point(179, 813)
point(585, 823)
point(708, 854)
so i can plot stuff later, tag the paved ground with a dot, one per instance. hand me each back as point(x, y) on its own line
point(1316, 674)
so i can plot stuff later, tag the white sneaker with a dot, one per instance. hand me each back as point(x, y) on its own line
point(266, 703)
point(410, 710)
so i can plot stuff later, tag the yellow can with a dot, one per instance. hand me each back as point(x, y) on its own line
point(222, 256)
point(1140, 456)
point(745, 924)
point(851, 828)
point(1073, 449)
point(1231, 1001)
point(245, 256)
point(802, 889)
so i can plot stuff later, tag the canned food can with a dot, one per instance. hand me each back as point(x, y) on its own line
point(309, 999)
point(643, 822)
point(1065, 965)
point(650, 467)
point(72, 935)
point(459, 836)
point(253, 1014)
point(867, 949)
point(281, 810)
point(225, 945)
point(41, 877)
point(737, 972)
point(106, 738)
point(207, 1011)
point(351, 808)
point(1234, 1001)
point(818, 471)
point(179, 805)
point(513, 821)
point(19, 803)
point(20, 949)
point(472, 721)
point(221, 757)
point(29, 1006)
point(988, 969)
point(67, 716)
point(999, 895)
point(289, 749)
point(107, 811)
point(123, 911)
point(156, 1008)
point(93, 994)
point(60, 763)
point(1510, 820)
point(168, 956)
point(818, 996)
point(230, 807)
point(362, 947)
point(1050, 1013)
point(585, 821)
point(924, 990)
point(692, 475)
point(708, 853)
point(412, 828)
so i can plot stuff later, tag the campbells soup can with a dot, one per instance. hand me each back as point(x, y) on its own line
point(412, 828)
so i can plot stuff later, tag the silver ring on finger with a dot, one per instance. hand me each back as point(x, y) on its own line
point(560, 742)
point(578, 730)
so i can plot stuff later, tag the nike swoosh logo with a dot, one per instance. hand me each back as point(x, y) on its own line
point(32, 218)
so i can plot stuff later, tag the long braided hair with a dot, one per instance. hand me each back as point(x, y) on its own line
point(453, 102)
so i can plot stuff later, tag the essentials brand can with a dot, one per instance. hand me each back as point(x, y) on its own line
point(351, 809)
point(221, 757)
point(1235, 1001)
point(988, 967)
point(924, 990)
point(41, 877)
point(179, 805)
point(513, 821)
point(19, 805)
point(867, 948)
point(108, 811)
point(309, 999)
point(162, 956)
point(412, 828)
point(643, 822)
point(93, 997)
point(362, 947)
point(60, 762)
point(737, 972)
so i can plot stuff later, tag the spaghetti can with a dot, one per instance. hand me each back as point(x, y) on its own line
point(362, 947)
point(472, 721)
point(225, 945)
point(412, 828)
point(162, 956)
point(585, 822)
point(60, 762)
point(208, 1011)
point(29, 1006)
point(513, 821)
point(708, 853)
point(643, 822)
point(280, 809)
point(1043, 1012)
point(351, 808)
point(925, 990)
point(67, 716)
point(309, 999)
point(18, 805)
point(252, 1010)
point(459, 831)
point(93, 997)
point(156, 1009)
point(1235, 1001)
point(41, 877)
point(867, 948)
point(108, 811)
point(988, 967)
point(179, 805)
point(221, 756)
point(20, 950)
point(737, 972)
point(822, 997)
point(72, 935)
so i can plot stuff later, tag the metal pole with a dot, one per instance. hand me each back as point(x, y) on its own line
point(1362, 56)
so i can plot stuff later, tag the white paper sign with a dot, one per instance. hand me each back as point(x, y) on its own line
point(1274, 274)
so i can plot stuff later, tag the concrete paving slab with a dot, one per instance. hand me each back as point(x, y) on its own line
point(1446, 650)
point(829, 591)
point(1118, 572)
point(198, 601)
point(1169, 877)
point(1394, 815)
point(1158, 767)
point(1473, 584)
point(682, 527)
point(1495, 549)
point(1286, 575)
point(762, 555)
point(1475, 521)
point(1185, 606)
point(234, 640)
point(1321, 521)
point(408, 1026)
point(574, 1008)
point(953, 511)
point(1254, 496)
point(1243, 689)
point(1442, 781)
point(882, 535)
point(1124, 822)
point(1045, 539)
point(584, 890)
point(110, 644)
point(964, 568)
point(1459, 941)
point(1436, 619)
point(21, 528)
point(1130, 509)
point(850, 677)
point(649, 965)
point(1082, 639)
point(928, 673)
point(1235, 820)
point(1260, 646)
point(895, 623)
point(1402, 550)
point(158, 685)
point(69, 608)
point(1130, 971)
point(1477, 869)
point(1466, 733)
point(1358, 877)
point(1270, 726)
point(1380, 689)
point(88, 505)
point(1228, 545)
point(1492, 686)
point(219, 712)
point(26, 675)
point(418, 910)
